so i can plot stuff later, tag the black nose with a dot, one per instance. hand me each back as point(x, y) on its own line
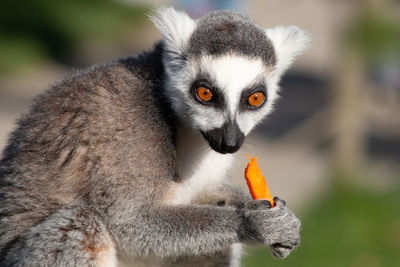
point(226, 139)
point(232, 138)
point(229, 148)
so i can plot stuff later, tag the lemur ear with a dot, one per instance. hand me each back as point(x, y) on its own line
point(288, 42)
point(176, 27)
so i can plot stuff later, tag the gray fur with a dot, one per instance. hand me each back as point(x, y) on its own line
point(224, 32)
point(71, 236)
point(87, 174)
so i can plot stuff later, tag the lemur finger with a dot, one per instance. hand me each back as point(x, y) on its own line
point(279, 202)
point(261, 204)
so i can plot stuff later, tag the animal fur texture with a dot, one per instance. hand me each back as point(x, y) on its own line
point(121, 164)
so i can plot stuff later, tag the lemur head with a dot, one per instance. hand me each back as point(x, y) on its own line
point(223, 70)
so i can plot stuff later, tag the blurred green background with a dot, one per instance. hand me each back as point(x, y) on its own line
point(33, 32)
point(332, 147)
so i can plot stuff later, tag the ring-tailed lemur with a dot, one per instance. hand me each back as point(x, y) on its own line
point(126, 163)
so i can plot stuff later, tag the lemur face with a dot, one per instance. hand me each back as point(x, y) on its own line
point(222, 71)
point(226, 97)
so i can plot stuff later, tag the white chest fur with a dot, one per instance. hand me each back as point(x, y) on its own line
point(200, 168)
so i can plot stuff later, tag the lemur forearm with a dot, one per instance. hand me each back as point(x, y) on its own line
point(178, 230)
point(225, 194)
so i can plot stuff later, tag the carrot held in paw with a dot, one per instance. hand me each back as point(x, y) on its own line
point(256, 181)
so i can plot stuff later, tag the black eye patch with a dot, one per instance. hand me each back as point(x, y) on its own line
point(244, 104)
point(217, 101)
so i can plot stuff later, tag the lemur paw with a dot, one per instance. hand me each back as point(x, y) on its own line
point(277, 227)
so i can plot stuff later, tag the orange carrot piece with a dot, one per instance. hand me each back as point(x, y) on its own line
point(256, 181)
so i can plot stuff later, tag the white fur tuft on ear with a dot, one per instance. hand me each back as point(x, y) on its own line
point(288, 42)
point(176, 27)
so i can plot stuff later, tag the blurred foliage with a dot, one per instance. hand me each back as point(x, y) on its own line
point(349, 227)
point(39, 30)
point(374, 34)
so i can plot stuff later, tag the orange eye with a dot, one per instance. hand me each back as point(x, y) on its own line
point(204, 94)
point(256, 99)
